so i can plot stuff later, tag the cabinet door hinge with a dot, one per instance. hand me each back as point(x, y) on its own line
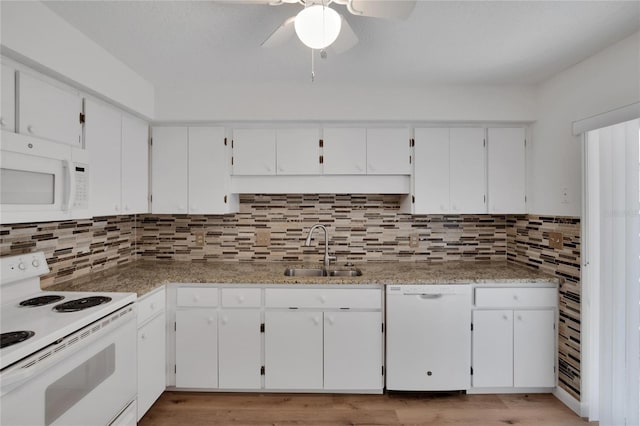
point(175, 368)
point(175, 326)
point(225, 199)
point(231, 143)
point(412, 142)
point(83, 118)
point(225, 141)
point(262, 370)
point(383, 327)
point(484, 142)
point(409, 159)
point(472, 371)
point(484, 198)
point(471, 326)
point(525, 142)
point(262, 328)
point(525, 198)
point(383, 370)
point(150, 198)
point(322, 159)
point(413, 199)
point(321, 143)
point(232, 161)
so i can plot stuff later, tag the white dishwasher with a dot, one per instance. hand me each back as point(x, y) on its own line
point(428, 337)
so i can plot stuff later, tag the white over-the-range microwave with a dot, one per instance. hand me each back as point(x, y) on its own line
point(42, 180)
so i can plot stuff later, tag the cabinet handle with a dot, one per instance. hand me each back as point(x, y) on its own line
point(505, 317)
point(515, 297)
point(323, 299)
point(281, 169)
point(2, 121)
point(519, 317)
point(152, 306)
point(30, 129)
point(240, 299)
point(330, 320)
point(225, 320)
point(359, 168)
point(210, 320)
point(143, 336)
point(316, 320)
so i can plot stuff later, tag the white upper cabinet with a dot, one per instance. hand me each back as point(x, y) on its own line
point(169, 162)
point(506, 170)
point(47, 111)
point(135, 165)
point(208, 171)
point(431, 174)
point(388, 151)
point(254, 152)
point(190, 171)
point(345, 150)
point(102, 139)
point(8, 93)
point(467, 171)
point(298, 151)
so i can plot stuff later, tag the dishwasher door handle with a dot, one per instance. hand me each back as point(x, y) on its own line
point(426, 295)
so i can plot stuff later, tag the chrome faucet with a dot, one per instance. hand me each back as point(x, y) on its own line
point(307, 243)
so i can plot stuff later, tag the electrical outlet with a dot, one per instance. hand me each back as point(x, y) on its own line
point(414, 240)
point(199, 238)
point(263, 238)
point(556, 240)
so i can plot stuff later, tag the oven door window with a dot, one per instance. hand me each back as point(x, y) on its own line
point(68, 390)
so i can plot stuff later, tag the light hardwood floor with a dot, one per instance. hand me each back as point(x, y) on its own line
point(195, 408)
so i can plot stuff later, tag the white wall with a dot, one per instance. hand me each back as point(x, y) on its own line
point(315, 101)
point(32, 34)
point(608, 80)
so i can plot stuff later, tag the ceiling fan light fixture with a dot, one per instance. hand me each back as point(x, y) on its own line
point(318, 26)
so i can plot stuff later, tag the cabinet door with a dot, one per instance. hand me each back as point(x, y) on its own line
point(169, 170)
point(431, 174)
point(239, 349)
point(468, 172)
point(293, 350)
point(197, 348)
point(206, 170)
point(492, 348)
point(135, 165)
point(506, 170)
point(388, 152)
point(8, 93)
point(345, 151)
point(48, 112)
point(254, 152)
point(298, 152)
point(534, 348)
point(353, 350)
point(103, 133)
point(151, 363)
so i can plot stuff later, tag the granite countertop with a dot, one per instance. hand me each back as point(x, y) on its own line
point(144, 276)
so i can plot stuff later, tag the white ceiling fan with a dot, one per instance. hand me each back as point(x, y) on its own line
point(319, 26)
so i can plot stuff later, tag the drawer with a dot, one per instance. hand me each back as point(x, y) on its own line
point(526, 297)
point(150, 305)
point(241, 297)
point(197, 296)
point(323, 298)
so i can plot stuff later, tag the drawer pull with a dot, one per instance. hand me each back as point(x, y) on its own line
point(240, 299)
point(316, 320)
point(210, 320)
point(225, 319)
point(504, 317)
point(152, 306)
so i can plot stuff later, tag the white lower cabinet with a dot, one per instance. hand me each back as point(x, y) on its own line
point(196, 348)
point(514, 338)
point(151, 350)
point(293, 350)
point(352, 356)
point(239, 349)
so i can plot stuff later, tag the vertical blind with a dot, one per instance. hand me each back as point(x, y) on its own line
point(613, 212)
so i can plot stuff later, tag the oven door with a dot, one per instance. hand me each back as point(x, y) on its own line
point(36, 179)
point(87, 379)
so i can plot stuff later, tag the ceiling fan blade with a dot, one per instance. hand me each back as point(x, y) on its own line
point(346, 40)
point(283, 33)
point(390, 9)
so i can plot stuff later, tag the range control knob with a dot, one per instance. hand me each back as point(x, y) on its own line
point(35, 263)
point(22, 266)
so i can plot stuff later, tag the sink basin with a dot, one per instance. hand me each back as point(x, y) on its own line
point(344, 272)
point(321, 272)
point(304, 272)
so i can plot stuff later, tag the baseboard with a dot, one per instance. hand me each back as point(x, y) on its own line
point(486, 391)
point(567, 399)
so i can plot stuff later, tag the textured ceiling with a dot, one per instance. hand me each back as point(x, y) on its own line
point(189, 43)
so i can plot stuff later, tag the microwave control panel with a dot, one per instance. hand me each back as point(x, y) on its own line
point(81, 173)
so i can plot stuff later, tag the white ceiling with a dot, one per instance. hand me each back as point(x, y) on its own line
point(188, 43)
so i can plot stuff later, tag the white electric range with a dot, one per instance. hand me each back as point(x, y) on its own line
point(65, 357)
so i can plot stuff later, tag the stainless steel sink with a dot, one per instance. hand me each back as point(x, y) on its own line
point(305, 272)
point(344, 273)
point(321, 272)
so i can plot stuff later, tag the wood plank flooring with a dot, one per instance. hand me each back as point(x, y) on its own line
point(200, 408)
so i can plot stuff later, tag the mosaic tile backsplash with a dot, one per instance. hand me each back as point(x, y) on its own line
point(528, 244)
point(361, 228)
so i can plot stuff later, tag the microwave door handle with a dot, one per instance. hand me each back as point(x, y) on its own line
point(70, 187)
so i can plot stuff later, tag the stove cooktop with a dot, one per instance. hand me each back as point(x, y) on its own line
point(14, 337)
point(81, 304)
point(41, 300)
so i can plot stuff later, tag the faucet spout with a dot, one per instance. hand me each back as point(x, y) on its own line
point(327, 259)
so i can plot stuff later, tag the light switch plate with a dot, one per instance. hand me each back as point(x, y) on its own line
point(555, 240)
point(199, 238)
point(263, 238)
